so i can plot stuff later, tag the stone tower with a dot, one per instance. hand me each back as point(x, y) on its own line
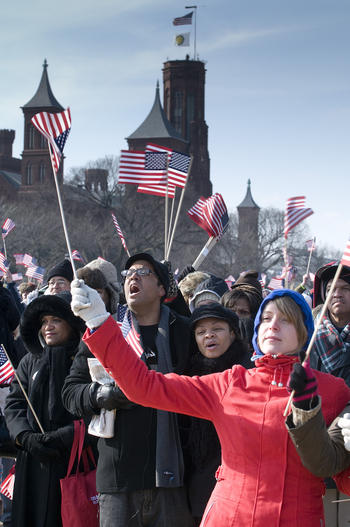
point(36, 164)
point(248, 234)
point(184, 98)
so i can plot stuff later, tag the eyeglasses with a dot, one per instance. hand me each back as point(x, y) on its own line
point(142, 271)
point(58, 283)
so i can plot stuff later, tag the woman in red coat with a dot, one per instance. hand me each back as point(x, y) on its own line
point(262, 481)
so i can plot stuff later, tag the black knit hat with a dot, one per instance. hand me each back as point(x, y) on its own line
point(160, 269)
point(62, 269)
point(216, 310)
point(56, 305)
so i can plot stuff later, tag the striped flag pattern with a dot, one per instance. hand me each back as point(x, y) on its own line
point(119, 231)
point(4, 264)
point(311, 244)
point(276, 283)
point(157, 190)
point(7, 227)
point(295, 213)
point(210, 214)
point(136, 167)
point(34, 271)
point(346, 256)
point(8, 484)
point(178, 164)
point(55, 127)
point(6, 371)
point(130, 334)
point(183, 20)
point(77, 256)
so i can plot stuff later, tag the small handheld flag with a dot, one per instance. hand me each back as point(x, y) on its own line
point(7, 227)
point(295, 213)
point(6, 369)
point(55, 127)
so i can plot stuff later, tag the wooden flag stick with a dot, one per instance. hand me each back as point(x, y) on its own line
point(166, 221)
point(205, 251)
point(286, 264)
point(178, 209)
point(5, 251)
point(24, 392)
point(319, 320)
point(171, 220)
point(62, 215)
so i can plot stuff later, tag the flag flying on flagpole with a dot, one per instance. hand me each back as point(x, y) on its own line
point(346, 256)
point(136, 167)
point(6, 370)
point(36, 272)
point(8, 484)
point(183, 20)
point(7, 227)
point(77, 256)
point(157, 190)
point(311, 244)
point(119, 231)
point(178, 168)
point(4, 264)
point(295, 213)
point(210, 214)
point(182, 39)
point(55, 127)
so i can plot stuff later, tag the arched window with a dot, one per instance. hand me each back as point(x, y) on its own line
point(42, 173)
point(29, 174)
point(43, 142)
point(31, 138)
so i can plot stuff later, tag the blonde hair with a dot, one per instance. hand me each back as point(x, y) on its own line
point(292, 312)
point(188, 284)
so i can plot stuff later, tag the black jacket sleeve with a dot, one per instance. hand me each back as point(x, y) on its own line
point(76, 389)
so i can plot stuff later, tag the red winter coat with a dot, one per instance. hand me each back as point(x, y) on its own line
point(261, 482)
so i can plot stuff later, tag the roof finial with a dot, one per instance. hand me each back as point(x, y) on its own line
point(249, 182)
point(157, 85)
point(45, 65)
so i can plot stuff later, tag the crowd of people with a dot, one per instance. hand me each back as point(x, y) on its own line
point(187, 424)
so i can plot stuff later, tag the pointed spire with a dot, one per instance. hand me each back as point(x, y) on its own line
point(248, 200)
point(156, 124)
point(44, 97)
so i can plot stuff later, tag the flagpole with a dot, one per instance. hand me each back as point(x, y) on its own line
point(171, 217)
point(311, 251)
point(178, 209)
point(195, 29)
point(166, 210)
point(5, 251)
point(319, 320)
point(24, 392)
point(286, 264)
point(204, 252)
point(62, 214)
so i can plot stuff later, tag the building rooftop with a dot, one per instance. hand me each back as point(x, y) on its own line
point(248, 200)
point(44, 97)
point(156, 124)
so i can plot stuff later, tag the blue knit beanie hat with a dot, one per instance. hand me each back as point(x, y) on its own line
point(298, 299)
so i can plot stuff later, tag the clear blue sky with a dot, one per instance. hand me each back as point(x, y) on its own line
point(277, 88)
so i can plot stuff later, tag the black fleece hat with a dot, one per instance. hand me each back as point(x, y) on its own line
point(160, 269)
point(216, 310)
point(61, 269)
point(56, 305)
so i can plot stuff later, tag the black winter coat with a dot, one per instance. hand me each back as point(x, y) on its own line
point(37, 496)
point(121, 462)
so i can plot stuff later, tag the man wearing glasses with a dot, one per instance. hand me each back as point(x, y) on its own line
point(140, 469)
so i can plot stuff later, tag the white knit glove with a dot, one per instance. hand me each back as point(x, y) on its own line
point(344, 424)
point(87, 304)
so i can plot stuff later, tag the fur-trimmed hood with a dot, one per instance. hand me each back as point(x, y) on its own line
point(56, 305)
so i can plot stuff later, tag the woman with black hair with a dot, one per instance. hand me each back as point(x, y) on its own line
point(51, 334)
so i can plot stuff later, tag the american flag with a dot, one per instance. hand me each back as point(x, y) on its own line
point(77, 256)
point(183, 20)
point(311, 244)
point(36, 272)
point(130, 334)
point(276, 283)
point(142, 167)
point(346, 256)
point(295, 213)
point(25, 259)
point(157, 190)
point(262, 280)
point(19, 258)
point(16, 277)
point(6, 371)
point(230, 280)
point(7, 227)
point(119, 231)
point(4, 264)
point(8, 484)
point(210, 214)
point(55, 127)
point(178, 168)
